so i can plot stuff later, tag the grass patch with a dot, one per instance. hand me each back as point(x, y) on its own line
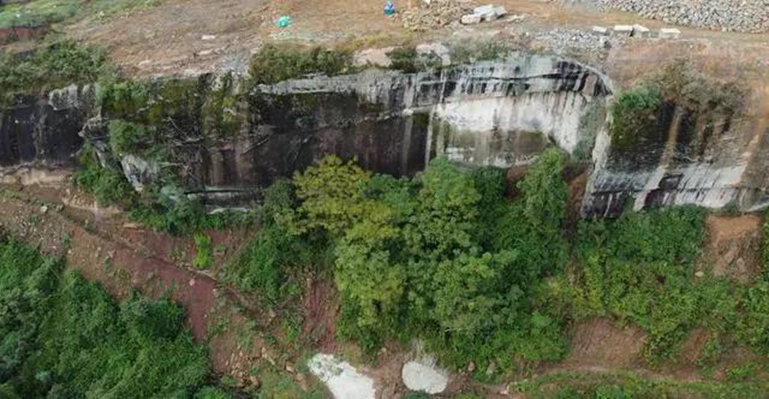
point(47, 12)
point(204, 256)
point(629, 385)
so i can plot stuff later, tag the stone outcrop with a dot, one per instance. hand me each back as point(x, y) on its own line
point(500, 113)
point(43, 132)
point(709, 159)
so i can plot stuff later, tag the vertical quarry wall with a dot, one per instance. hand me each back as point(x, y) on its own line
point(713, 159)
point(225, 143)
point(43, 132)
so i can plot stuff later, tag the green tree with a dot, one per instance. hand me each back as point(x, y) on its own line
point(331, 196)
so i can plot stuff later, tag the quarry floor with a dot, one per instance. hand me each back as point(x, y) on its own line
point(45, 211)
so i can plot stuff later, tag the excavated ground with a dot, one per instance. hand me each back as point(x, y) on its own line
point(169, 40)
point(149, 43)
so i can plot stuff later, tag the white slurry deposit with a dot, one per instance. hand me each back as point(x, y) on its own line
point(341, 378)
point(554, 114)
point(424, 376)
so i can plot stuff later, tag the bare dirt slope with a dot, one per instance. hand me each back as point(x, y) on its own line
point(734, 247)
point(185, 37)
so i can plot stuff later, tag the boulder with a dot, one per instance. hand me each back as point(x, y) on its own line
point(669, 33)
point(600, 30)
point(470, 19)
point(623, 30)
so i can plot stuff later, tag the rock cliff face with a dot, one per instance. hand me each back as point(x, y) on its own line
point(44, 132)
point(225, 145)
point(707, 159)
point(499, 113)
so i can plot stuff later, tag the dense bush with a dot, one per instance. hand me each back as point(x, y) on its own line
point(275, 63)
point(640, 268)
point(444, 257)
point(64, 337)
point(271, 262)
point(128, 138)
point(51, 67)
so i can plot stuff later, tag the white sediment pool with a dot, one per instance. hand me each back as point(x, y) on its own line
point(341, 378)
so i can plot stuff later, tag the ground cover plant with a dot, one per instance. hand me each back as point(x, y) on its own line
point(61, 336)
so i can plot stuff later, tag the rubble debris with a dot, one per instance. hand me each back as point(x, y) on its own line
point(470, 19)
point(485, 13)
point(726, 15)
point(433, 15)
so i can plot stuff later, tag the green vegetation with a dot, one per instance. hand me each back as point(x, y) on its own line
point(128, 138)
point(634, 114)
point(641, 269)
point(107, 184)
point(622, 385)
point(638, 113)
point(46, 12)
point(51, 67)
point(408, 60)
point(204, 256)
point(275, 63)
point(473, 51)
point(61, 336)
point(273, 262)
point(421, 258)
point(447, 258)
point(165, 209)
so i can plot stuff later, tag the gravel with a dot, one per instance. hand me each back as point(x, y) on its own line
point(727, 15)
point(436, 14)
point(566, 41)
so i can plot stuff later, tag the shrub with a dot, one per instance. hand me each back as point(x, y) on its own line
point(52, 67)
point(107, 184)
point(69, 338)
point(331, 195)
point(127, 138)
point(275, 63)
point(123, 99)
point(473, 51)
point(204, 255)
point(270, 262)
point(634, 116)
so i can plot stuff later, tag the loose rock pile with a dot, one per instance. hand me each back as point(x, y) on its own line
point(562, 41)
point(435, 14)
point(728, 15)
